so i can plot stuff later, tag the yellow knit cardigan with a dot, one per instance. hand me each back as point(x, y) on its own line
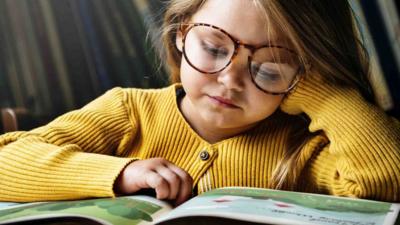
point(81, 153)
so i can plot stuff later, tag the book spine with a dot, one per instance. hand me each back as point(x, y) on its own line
point(57, 53)
point(113, 46)
point(5, 93)
point(6, 97)
point(391, 20)
point(140, 33)
point(49, 70)
point(33, 53)
point(98, 85)
point(377, 78)
point(10, 60)
point(25, 66)
point(128, 63)
point(74, 57)
point(149, 11)
point(384, 49)
point(94, 43)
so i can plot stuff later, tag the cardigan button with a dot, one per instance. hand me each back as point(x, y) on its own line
point(204, 155)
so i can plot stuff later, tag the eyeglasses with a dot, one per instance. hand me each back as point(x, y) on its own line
point(209, 49)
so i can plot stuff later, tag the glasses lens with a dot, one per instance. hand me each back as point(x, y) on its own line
point(274, 69)
point(208, 49)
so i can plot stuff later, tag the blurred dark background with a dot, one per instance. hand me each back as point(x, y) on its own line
point(57, 55)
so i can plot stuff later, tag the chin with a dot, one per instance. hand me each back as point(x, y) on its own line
point(222, 123)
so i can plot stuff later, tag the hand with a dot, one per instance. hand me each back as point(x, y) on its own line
point(169, 181)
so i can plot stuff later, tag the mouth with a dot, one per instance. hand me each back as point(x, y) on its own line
point(223, 102)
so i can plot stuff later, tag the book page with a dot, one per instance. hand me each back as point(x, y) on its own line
point(8, 204)
point(121, 210)
point(282, 207)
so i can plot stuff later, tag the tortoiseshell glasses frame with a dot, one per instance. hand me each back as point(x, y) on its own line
point(185, 28)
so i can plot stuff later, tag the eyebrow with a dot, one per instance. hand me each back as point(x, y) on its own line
point(277, 42)
point(219, 35)
point(273, 43)
point(287, 57)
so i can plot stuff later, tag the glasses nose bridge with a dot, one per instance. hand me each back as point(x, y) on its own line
point(251, 48)
point(238, 43)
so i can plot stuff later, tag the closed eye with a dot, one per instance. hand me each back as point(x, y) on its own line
point(269, 76)
point(265, 73)
point(217, 52)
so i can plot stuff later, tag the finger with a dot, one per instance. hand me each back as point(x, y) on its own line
point(186, 184)
point(157, 182)
point(173, 179)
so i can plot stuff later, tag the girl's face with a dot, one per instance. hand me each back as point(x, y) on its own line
point(228, 100)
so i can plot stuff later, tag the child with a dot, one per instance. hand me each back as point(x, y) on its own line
point(270, 94)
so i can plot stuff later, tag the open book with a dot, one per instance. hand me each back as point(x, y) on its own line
point(232, 205)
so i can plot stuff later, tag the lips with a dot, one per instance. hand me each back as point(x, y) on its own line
point(224, 101)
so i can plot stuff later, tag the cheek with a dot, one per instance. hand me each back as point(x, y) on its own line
point(185, 73)
point(191, 78)
point(265, 105)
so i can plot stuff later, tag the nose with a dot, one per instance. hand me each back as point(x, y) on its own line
point(235, 75)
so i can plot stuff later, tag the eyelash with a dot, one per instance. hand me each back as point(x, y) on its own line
point(273, 76)
point(215, 52)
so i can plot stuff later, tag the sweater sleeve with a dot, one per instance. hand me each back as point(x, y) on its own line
point(362, 158)
point(75, 156)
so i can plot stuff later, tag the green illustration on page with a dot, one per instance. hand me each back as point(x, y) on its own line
point(123, 210)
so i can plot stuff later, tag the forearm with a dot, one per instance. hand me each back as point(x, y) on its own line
point(32, 170)
point(74, 156)
point(363, 156)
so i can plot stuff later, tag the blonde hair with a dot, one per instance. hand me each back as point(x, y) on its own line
point(322, 32)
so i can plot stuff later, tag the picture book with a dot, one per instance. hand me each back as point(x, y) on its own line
point(230, 205)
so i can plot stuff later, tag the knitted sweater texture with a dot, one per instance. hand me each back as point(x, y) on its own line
point(353, 149)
